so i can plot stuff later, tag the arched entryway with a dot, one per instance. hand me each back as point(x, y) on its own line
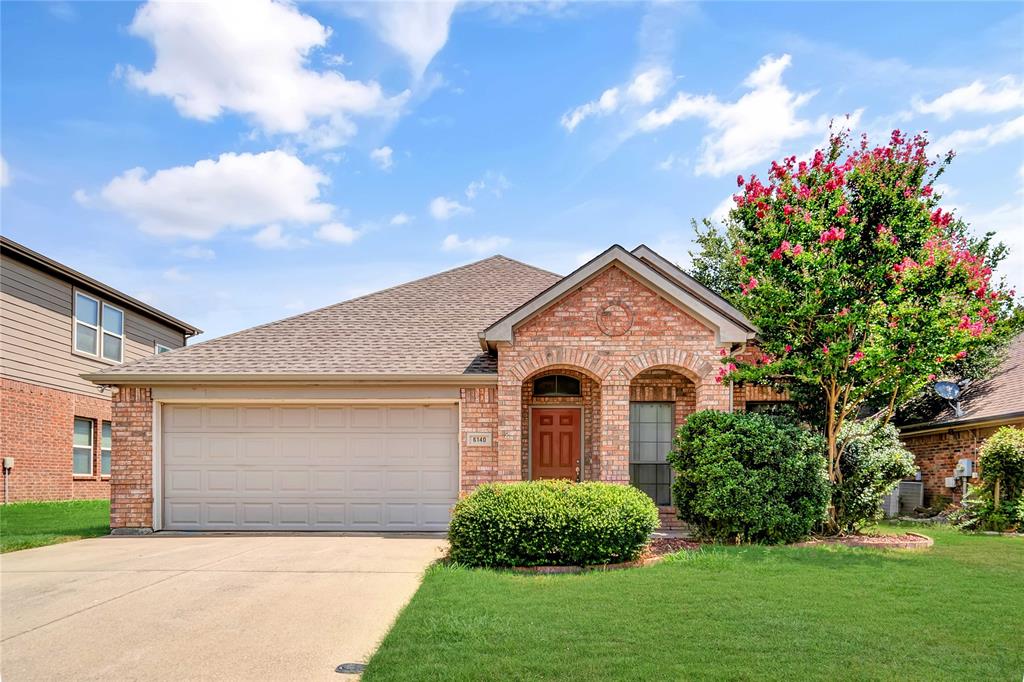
point(560, 424)
point(660, 400)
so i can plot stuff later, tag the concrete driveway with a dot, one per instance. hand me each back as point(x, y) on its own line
point(233, 607)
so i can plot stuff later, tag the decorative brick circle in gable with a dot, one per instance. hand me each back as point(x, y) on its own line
point(615, 318)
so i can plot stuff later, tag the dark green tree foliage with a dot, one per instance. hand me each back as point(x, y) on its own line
point(873, 462)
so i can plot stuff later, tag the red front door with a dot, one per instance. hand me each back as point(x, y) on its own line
point(555, 446)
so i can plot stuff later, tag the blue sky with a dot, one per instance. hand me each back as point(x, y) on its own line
point(238, 163)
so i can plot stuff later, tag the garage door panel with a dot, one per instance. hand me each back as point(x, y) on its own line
point(306, 467)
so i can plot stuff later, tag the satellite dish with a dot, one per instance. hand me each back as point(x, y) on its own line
point(947, 389)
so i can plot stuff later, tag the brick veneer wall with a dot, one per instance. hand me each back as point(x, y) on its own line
point(567, 336)
point(937, 453)
point(37, 429)
point(478, 412)
point(131, 469)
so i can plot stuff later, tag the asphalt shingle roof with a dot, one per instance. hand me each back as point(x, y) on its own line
point(425, 327)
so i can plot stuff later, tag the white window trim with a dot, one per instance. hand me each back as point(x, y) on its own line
point(75, 322)
point(92, 448)
point(157, 346)
point(102, 449)
point(104, 332)
point(100, 303)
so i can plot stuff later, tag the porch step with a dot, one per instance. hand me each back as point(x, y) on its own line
point(669, 520)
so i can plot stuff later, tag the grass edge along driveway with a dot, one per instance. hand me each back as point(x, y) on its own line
point(737, 613)
point(34, 524)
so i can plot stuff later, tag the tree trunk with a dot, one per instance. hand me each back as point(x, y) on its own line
point(832, 439)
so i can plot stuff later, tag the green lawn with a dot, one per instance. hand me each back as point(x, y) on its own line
point(955, 611)
point(34, 524)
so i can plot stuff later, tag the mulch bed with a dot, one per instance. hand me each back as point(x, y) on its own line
point(905, 541)
point(655, 551)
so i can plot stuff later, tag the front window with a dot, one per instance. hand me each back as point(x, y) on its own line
point(556, 385)
point(81, 457)
point(650, 439)
point(99, 328)
point(105, 442)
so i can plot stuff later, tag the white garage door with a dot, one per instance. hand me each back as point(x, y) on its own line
point(309, 467)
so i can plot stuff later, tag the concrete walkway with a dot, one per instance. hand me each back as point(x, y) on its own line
point(236, 607)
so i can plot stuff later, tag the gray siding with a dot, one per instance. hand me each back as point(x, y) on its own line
point(36, 327)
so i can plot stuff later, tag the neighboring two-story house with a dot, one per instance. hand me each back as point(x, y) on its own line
point(55, 325)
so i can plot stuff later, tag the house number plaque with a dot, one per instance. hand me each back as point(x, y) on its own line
point(478, 438)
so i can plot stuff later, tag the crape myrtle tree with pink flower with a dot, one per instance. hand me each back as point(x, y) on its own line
point(864, 288)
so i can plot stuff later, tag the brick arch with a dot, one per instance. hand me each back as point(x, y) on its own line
point(688, 364)
point(586, 363)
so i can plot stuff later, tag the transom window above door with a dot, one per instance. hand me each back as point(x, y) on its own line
point(556, 385)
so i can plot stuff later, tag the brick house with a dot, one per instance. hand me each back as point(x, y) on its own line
point(377, 413)
point(942, 441)
point(56, 324)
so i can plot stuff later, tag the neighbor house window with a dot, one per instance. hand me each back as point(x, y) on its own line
point(556, 385)
point(99, 328)
point(105, 441)
point(650, 439)
point(87, 324)
point(159, 348)
point(81, 457)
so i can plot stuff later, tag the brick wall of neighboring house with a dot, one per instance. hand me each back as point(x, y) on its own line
point(478, 413)
point(131, 471)
point(37, 429)
point(937, 454)
point(583, 332)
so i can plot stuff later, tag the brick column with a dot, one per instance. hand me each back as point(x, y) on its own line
point(131, 465)
point(614, 446)
point(478, 412)
point(510, 429)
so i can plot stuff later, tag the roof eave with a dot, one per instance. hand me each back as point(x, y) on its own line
point(54, 267)
point(192, 378)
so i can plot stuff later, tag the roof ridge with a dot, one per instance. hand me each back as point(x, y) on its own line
point(350, 300)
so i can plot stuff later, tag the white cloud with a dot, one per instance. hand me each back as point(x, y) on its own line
point(495, 183)
point(273, 237)
point(647, 86)
point(476, 245)
point(746, 131)
point(382, 157)
point(1004, 94)
point(668, 163)
point(400, 219)
point(443, 208)
point(175, 275)
point(338, 233)
point(82, 198)
point(195, 252)
point(232, 191)
point(5, 173)
point(416, 30)
point(721, 211)
point(981, 138)
point(252, 58)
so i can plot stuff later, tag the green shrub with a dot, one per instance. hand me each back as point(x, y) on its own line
point(873, 461)
point(748, 477)
point(543, 523)
point(998, 502)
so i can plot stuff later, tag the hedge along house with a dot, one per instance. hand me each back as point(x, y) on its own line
point(376, 413)
point(940, 442)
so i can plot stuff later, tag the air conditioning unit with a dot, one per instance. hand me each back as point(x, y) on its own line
point(891, 503)
point(911, 496)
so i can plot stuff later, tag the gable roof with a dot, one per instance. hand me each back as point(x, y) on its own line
point(13, 249)
point(1001, 396)
point(425, 329)
point(657, 273)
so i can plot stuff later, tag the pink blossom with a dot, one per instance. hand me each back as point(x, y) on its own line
point(824, 349)
point(789, 348)
point(926, 191)
point(931, 377)
point(797, 250)
point(832, 234)
point(739, 180)
point(723, 352)
point(961, 355)
point(856, 357)
point(749, 286)
point(842, 210)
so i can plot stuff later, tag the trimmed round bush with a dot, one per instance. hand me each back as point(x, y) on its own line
point(748, 477)
point(550, 523)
